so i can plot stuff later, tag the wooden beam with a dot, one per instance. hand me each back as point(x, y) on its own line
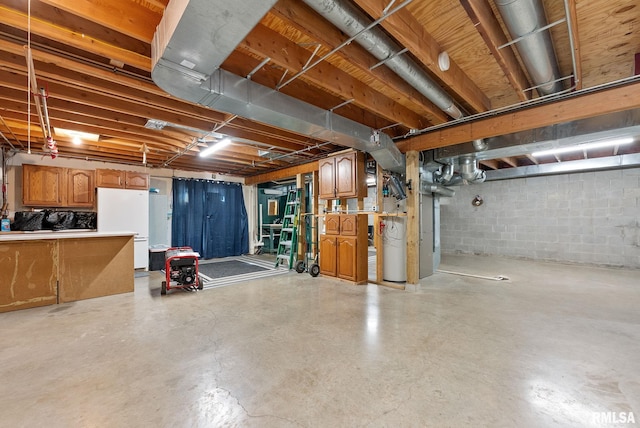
point(487, 24)
point(19, 20)
point(265, 42)
point(491, 163)
point(282, 173)
point(594, 104)
point(70, 92)
point(413, 218)
point(512, 162)
point(296, 14)
point(377, 238)
point(119, 15)
point(411, 34)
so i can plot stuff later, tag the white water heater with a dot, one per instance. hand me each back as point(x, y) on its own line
point(394, 249)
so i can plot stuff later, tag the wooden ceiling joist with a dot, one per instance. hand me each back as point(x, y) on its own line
point(411, 34)
point(267, 43)
point(115, 14)
point(20, 20)
point(489, 28)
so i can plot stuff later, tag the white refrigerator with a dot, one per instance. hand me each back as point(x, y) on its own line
point(124, 210)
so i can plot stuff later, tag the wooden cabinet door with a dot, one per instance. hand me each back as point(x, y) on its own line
point(110, 178)
point(347, 259)
point(327, 255)
point(332, 224)
point(349, 224)
point(136, 180)
point(43, 186)
point(326, 179)
point(81, 188)
point(345, 174)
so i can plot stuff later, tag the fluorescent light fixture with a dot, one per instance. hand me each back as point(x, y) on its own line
point(586, 146)
point(215, 147)
point(76, 135)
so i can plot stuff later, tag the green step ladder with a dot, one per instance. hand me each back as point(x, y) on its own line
point(288, 244)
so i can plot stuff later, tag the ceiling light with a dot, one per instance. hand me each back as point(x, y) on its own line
point(586, 146)
point(443, 61)
point(215, 147)
point(76, 135)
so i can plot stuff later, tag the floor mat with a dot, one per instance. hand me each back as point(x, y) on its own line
point(227, 268)
point(235, 270)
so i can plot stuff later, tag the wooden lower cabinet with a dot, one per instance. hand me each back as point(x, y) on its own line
point(328, 255)
point(60, 269)
point(28, 274)
point(347, 258)
point(343, 253)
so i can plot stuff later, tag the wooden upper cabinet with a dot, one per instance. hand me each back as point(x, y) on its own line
point(81, 188)
point(55, 187)
point(342, 176)
point(43, 186)
point(136, 180)
point(326, 178)
point(122, 179)
point(110, 178)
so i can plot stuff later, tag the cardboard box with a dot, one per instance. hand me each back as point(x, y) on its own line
point(5, 225)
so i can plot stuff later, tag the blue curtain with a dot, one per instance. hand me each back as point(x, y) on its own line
point(210, 217)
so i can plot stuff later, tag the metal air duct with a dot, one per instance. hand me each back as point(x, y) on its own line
point(524, 18)
point(194, 38)
point(351, 21)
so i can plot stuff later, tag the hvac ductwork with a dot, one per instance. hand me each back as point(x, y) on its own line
point(524, 18)
point(468, 171)
point(194, 38)
point(351, 21)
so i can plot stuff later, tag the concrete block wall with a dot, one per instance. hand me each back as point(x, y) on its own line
point(590, 217)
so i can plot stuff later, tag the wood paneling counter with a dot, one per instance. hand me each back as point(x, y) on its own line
point(45, 268)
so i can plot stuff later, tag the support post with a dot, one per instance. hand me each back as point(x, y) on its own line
point(413, 217)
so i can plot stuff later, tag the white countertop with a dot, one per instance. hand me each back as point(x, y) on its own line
point(59, 234)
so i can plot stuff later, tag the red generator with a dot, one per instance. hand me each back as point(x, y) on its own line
point(181, 269)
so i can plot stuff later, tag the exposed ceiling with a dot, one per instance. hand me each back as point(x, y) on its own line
point(93, 59)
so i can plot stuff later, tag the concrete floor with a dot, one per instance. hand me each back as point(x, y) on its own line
point(555, 345)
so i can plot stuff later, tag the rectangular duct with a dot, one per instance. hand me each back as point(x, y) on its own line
point(194, 38)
